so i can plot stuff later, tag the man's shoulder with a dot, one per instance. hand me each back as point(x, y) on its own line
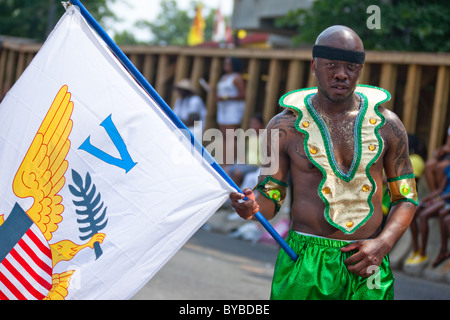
point(393, 131)
point(285, 119)
point(391, 118)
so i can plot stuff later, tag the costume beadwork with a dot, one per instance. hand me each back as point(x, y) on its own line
point(403, 188)
point(347, 196)
point(274, 190)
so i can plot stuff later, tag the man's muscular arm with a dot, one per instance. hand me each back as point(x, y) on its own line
point(396, 163)
point(278, 167)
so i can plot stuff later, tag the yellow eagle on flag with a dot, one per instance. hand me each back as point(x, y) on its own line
point(41, 177)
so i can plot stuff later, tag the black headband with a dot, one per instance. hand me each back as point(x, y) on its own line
point(331, 53)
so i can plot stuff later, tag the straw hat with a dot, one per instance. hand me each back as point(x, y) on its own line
point(185, 84)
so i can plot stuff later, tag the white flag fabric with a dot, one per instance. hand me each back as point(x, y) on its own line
point(99, 187)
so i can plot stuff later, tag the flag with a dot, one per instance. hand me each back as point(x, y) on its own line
point(222, 32)
point(220, 28)
point(196, 33)
point(99, 187)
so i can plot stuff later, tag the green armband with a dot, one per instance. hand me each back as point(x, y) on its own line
point(403, 188)
point(274, 190)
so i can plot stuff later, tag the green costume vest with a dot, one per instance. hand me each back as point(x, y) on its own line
point(347, 196)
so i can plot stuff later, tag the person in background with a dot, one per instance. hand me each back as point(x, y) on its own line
point(239, 171)
point(434, 167)
point(429, 206)
point(189, 107)
point(444, 223)
point(417, 154)
point(230, 102)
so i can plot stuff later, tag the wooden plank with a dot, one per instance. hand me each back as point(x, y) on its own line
point(364, 78)
point(20, 64)
point(181, 72)
point(251, 91)
point(182, 68)
point(30, 57)
point(272, 95)
point(21, 45)
point(432, 59)
point(10, 69)
point(388, 80)
point(148, 70)
point(312, 80)
point(198, 69)
point(411, 98)
point(134, 58)
point(295, 75)
point(215, 73)
point(165, 72)
point(440, 105)
point(427, 59)
point(163, 62)
point(3, 59)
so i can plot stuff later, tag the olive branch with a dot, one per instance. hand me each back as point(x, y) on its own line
point(92, 215)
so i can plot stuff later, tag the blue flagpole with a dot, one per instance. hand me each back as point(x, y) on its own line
point(163, 105)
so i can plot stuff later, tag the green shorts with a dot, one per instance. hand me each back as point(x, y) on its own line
point(320, 273)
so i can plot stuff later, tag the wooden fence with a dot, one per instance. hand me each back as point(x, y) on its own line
point(418, 82)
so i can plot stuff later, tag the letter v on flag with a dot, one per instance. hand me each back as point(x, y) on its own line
point(95, 219)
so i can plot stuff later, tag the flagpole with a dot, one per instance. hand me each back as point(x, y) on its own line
point(169, 112)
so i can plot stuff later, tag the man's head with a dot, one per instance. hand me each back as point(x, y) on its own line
point(338, 58)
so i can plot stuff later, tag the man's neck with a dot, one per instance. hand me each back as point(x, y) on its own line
point(324, 104)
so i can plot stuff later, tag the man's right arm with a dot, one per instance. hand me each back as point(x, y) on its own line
point(277, 166)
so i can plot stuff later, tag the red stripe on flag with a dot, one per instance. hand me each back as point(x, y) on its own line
point(34, 257)
point(11, 287)
point(44, 249)
point(30, 270)
point(3, 296)
point(22, 280)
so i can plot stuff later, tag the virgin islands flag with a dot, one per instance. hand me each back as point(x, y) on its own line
point(99, 187)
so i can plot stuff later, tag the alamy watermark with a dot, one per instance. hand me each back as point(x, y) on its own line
point(374, 20)
point(374, 281)
point(238, 142)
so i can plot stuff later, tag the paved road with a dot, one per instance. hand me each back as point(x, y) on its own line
point(212, 266)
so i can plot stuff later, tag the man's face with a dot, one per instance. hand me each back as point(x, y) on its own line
point(337, 80)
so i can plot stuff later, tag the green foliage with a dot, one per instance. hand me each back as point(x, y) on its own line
point(125, 37)
point(415, 25)
point(170, 25)
point(34, 19)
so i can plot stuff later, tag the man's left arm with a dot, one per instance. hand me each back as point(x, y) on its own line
point(399, 172)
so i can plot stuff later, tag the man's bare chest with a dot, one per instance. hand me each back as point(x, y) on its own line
point(343, 151)
point(342, 147)
point(342, 141)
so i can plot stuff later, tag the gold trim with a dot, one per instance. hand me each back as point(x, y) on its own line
point(403, 189)
point(273, 191)
point(347, 197)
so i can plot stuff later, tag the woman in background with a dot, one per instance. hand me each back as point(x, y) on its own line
point(230, 102)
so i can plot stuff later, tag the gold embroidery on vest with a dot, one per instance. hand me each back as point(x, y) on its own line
point(347, 197)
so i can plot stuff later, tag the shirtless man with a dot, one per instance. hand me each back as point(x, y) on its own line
point(334, 142)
